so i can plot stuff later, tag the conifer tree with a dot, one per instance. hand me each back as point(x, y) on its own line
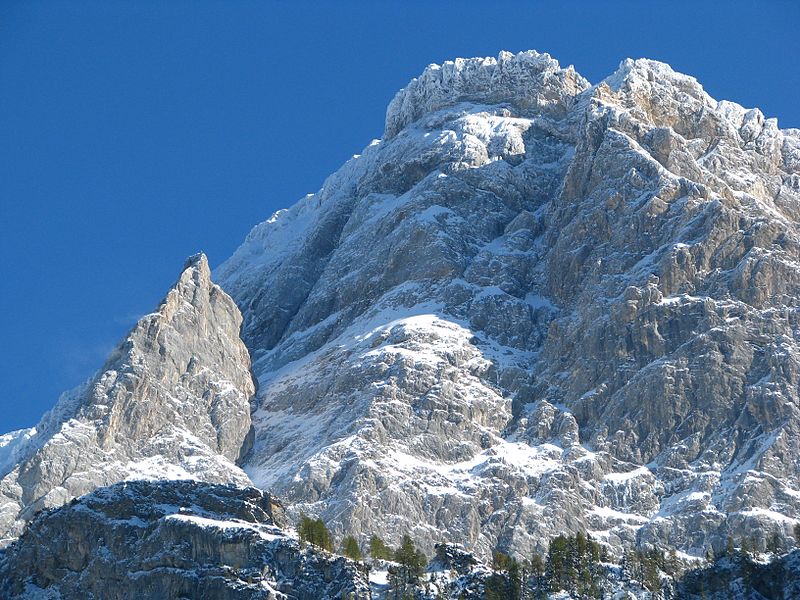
point(404, 579)
point(745, 547)
point(314, 531)
point(501, 561)
point(410, 558)
point(507, 583)
point(494, 588)
point(351, 549)
point(775, 543)
point(651, 565)
point(379, 550)
point(672, 565)
point(556, 569)
point(305, 528)
point(729, 548)
point(514, 580)
point(537, 582)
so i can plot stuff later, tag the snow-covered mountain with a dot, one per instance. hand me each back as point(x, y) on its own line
point(535, 306)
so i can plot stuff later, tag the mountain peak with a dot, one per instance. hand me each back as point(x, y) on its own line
point(536, 284)
point(645, 69)
point(529, 80)
point(171, 401)
point(198, 260)
point(534, 307)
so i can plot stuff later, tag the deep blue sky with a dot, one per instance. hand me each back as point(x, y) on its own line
point(133, 134)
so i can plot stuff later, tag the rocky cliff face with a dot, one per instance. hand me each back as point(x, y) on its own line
point(536, 306)
point(171, 402)
point(177, 539)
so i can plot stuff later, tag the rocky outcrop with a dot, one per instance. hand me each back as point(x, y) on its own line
point(537, 306)
point(169, 540)
point(529, 82)
point(171, 402)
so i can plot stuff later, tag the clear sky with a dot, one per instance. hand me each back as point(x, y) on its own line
point(133, 134)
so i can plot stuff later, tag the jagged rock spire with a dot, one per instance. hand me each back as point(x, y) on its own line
point(172, 401)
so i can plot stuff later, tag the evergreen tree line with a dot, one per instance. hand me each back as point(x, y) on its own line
point(405, 577)
point(315, 532)
point(646, 567)
point(573, 563)
point(749, 547)
point(738, 571)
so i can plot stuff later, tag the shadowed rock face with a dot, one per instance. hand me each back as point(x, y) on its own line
point(171, 402)
point(175, 539)
point(536, 306)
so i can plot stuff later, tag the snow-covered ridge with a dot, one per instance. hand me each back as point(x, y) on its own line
point(521, 80)
point(171, 539)
point(11, 445)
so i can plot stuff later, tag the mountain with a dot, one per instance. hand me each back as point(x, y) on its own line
point(535, 306)
point(171, 402)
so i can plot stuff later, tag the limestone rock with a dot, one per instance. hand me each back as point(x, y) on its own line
point(171, 402)
point(535, 306)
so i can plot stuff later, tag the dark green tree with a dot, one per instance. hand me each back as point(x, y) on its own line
point(672, 565)
point(557, 568)
point(651, 561)
point(501, 561)
point(745, 547)
point(410, 558)
point(538, 584)
point(507, 582)
point(515, 577)
point(729, 547)
point(495, 588)
point(405, 578)
point(314, 531)
point(537, 565)
point(379, 550)
point(351, 549)
point(775, 543)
